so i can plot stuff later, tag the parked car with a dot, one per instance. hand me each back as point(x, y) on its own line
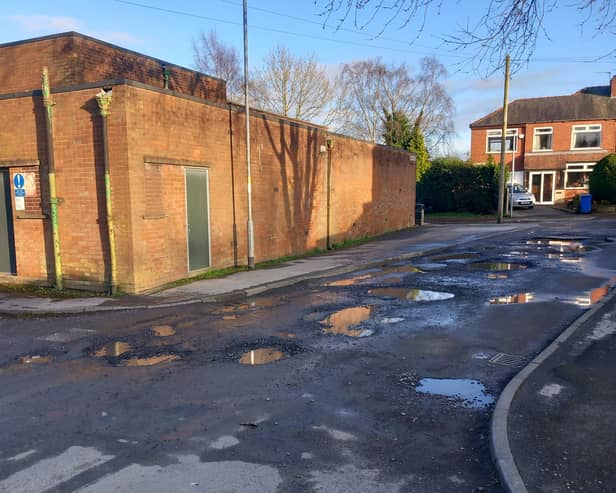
point(521, 196)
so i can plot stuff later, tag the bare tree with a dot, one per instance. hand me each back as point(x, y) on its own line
point(213, 57)
point(294, 87)
point(506, 26)
point(370, 90)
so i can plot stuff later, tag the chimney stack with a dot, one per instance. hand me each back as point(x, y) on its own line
point(613, 87)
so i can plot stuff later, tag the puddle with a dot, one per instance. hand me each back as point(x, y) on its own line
point(561, 245)
point(162, 331)
point(35, 359)
point(498, 276)
point(351, 281)
point(471, 392)
point(428, 266)
point(481, 355)
point(113, 349)
point(456, 257)
point(584, 300)
point(261, 302)
point(411, 294)
point(343, 321)
point(261, 356)
point(287, 335)
point(513, 299)
point(150, 360)
point(496, 266)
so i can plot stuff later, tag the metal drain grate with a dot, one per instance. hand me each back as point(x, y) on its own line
point(508, 359)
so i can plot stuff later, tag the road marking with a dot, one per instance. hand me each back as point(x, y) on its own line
point(21, 456)
point(53, 471)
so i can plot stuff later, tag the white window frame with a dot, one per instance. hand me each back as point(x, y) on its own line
point(577, 168)
point(512, 134)
point(543, 131)
point(577, 129)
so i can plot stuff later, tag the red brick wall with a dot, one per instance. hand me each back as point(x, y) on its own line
point(288, 177)
point(75, 59)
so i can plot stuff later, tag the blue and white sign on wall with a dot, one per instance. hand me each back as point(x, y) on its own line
point(19, 181)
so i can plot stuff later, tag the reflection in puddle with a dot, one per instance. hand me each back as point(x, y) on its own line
point(560, 245)
point(150, 360)
point(498, 276)
point(564, 258)
point(587, 299)
point(481, 355)
point(411, 294)
point(261, 356)
point(456, 257)
point(342, 322)
point(287, 335)
point(471, 392)
point(496, 266)
point(113, 349)
point(261, 302)
point(162, 330)
point(351, 281)
point(35, 359)
point(513, 299)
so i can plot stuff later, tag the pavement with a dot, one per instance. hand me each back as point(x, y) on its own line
point(553, 427)
point(400, 245)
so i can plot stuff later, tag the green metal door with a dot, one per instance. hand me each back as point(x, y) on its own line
point(7, 242)
point(197, 218)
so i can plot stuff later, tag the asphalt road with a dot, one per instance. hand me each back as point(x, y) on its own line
point(385, 381)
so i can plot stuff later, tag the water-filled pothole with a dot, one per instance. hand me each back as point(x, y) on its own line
point(513, 299)
point(455, 257)
point(343, 321)
point(162, 331)
point(496, 266)
point(471, 393)
point(149, 360)
point(561, 245)
point(116, 348)
point(411, 294)
point(261, 356)
point(35, 359)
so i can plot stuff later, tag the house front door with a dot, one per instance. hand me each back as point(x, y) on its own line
point(197, 218)
point(7, 242)
point(542, 186)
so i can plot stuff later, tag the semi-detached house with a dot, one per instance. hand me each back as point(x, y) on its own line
point(552, 142)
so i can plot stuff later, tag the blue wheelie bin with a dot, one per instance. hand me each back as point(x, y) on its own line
point(586, 203)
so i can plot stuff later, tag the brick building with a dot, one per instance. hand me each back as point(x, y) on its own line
point(553, 142)
point(177, 168)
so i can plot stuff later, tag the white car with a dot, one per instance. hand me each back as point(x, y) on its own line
point(521, 196)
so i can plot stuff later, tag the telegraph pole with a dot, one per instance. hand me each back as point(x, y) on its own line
point(501, 177)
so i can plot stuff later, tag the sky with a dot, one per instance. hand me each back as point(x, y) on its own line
point(562, 64)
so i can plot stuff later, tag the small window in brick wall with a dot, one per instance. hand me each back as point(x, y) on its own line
point(153, 191)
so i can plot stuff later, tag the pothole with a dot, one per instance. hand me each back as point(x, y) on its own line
point(116, 348)
point(162, 331)
point(497, 276)
point(34, 359)
point(561, 245)
point(411, 294)
point(261, 356)
point(149, 360)
point(497, 266)
point(343, 322)
point(120, 353)
point(513, 299)
point(471, 393)
point(456, 257)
